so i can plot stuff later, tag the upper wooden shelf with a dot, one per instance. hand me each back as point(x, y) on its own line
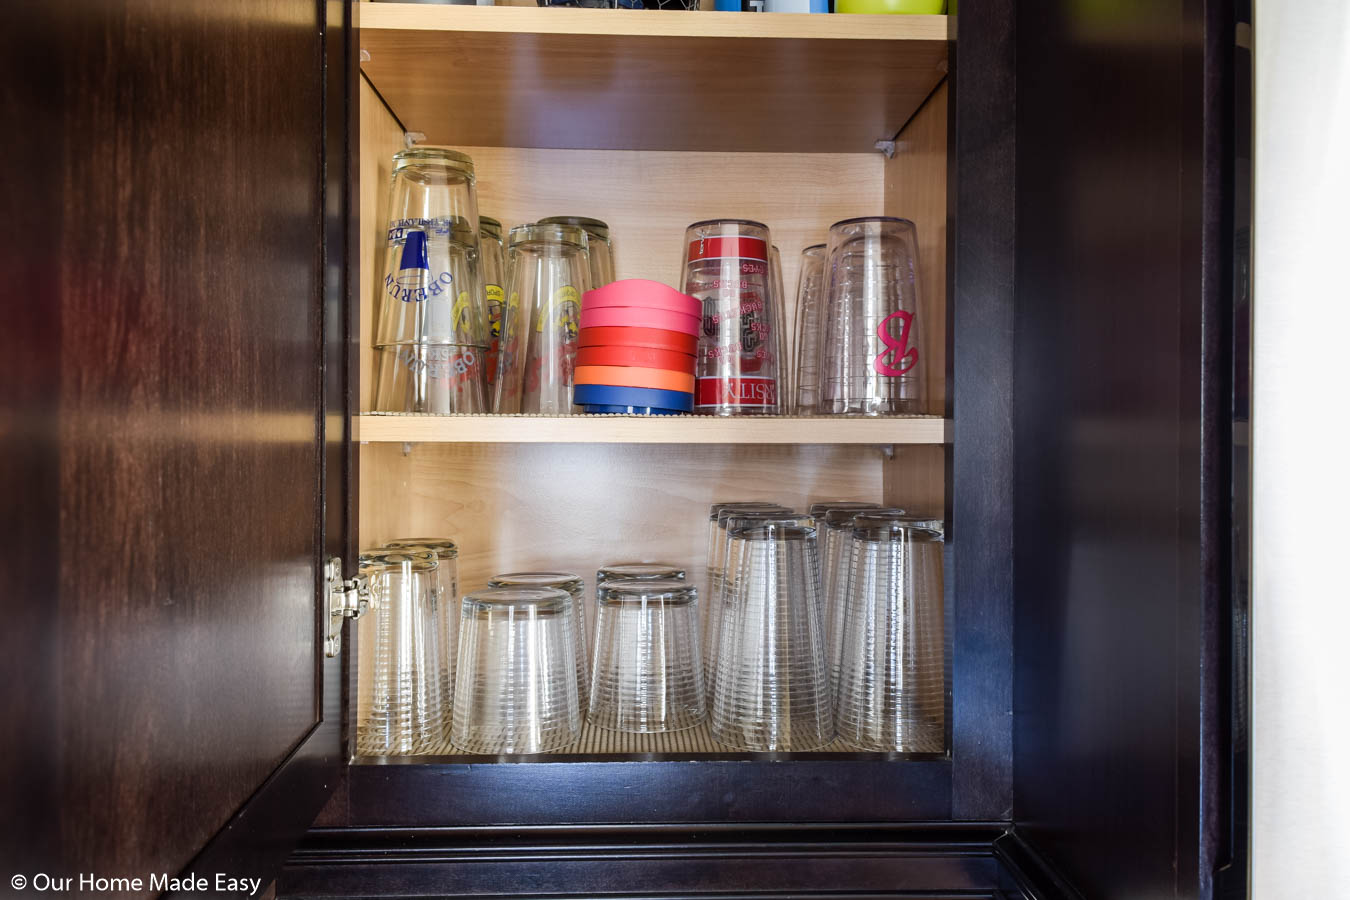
point(649, 430)
point(502, 76)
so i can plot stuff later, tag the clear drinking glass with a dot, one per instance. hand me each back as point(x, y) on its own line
point(548, 269)
point(770, 688)
point(809, 278)
point(516, 690)
point(444, 602)
point(836, 549)
point(891, 678)
point(576, 589)
point(492, 269)
point(785, 389)
point(718, 569)
point(869, 355)
point(431, 336)
point(400, 710)
point(599, 246)
point(727, 268)
point(648, 674)
point(639, 571)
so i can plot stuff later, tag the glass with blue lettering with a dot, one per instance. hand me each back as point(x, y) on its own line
point(548, 269)
point(431, 335)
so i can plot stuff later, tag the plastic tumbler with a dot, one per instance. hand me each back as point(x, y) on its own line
point(599, 246)
point(445, 602)
point(548, 270)
point(576, 589)
point(727, 268)
point(717, 567)
point(515, 689)
point(836, 549)
point(891, 692)
point(492, 249)
point(770, 689)
point(431, 335)
point(870, 360)
point(809, 277)
point(648, 674)
point(399, 704)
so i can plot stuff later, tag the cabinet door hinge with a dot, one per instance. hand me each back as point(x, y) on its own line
point(347, 599)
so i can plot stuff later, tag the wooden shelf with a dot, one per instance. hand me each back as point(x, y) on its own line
point(543, 77)
point(648, 430)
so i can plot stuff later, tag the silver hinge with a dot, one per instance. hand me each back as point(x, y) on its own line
point(347, 599)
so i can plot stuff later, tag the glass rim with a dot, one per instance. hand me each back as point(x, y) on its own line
point(873, 220)
point(644, 590)
point(536, 579)
point(725, 516)
point(593, 226)
point(535, 233)
point(490, 225)
point(750, 222)
point(444, 548)
point(842, 519)
point(773, 528)
point(618, 571)
point(718, 507)
point(821, 507)
point(891, 527)
point(524, 597)
point(821, 247)
point(452, 158)
point(388, 559)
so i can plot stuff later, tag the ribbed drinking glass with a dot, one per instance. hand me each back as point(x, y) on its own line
point(640, 571)
point(809, 290)
point(600, 246)
point(576, 589)
point(770, 689)
point(400, 710)
point(515, 689)
point(445, 603)
point(492, 253)
point(891, 680)
point(648, 673)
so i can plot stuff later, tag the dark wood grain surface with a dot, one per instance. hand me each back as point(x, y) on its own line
point(169, 452)
point(1115, 444)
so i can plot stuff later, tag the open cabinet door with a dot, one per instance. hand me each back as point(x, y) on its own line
point(173, 423)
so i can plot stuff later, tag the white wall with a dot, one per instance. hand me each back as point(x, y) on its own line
point(1301, 491)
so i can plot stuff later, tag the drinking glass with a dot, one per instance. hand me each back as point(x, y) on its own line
point(444, 602)
point(599, 246)
point(869, 354)
point(809, 278)
point(548, 269)
point(400, 709)
point(770, 688)
point(717, 569)
point(515, 689)
point(431, 336)
point(639, 571)
point(785, 390)
point(576, 590)
point(648, 673)
point(492, 268)
point(727, 268)
point(836, 547)
point(891, 677)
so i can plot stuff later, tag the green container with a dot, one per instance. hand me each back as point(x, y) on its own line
point(900, 7)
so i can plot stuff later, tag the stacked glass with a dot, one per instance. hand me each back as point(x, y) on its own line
point(639, 571)
point(770, 686)
point(576, 590)
point(718, 557)
point(647, 673)
point(599, 244)
point(891, 693)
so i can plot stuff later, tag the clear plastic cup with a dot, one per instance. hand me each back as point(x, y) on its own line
point(576, 589)
point(770, 689)
point(891, 692)
point(548, 269)
point(492, 248)
point(400, 710)
point(870, 361)
point(648, 674)
point(727, 268)
point(640, 571)
point(809, 290)
point(717, 570)
point(600, 246)
point(785, 380)
point(431, 335)
point(445, 603)
point(516, 691)
point(836, 548)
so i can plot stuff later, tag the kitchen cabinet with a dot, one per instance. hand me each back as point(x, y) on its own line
point(1071, 175)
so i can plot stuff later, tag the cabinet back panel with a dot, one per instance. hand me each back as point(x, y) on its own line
point(580, 506)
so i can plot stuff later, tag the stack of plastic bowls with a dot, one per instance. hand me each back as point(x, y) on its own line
point(636, 349)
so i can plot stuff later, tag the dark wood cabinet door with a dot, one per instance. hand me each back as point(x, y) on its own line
point(173, 432)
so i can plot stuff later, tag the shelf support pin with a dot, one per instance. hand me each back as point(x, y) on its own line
point(887, 147)
point(412, 137)
point(887, 450)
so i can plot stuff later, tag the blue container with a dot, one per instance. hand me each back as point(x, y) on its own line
point(595, 409)
point(607, 395)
